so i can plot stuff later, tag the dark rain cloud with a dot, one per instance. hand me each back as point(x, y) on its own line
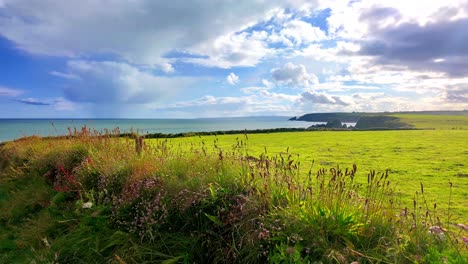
point(437, 46)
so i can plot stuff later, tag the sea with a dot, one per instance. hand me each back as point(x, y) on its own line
point(11, 129)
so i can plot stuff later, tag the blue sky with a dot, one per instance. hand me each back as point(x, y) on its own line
point(187, 59)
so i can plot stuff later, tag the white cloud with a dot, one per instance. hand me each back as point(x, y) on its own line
point(294, 75)
point(296, 33)
point(347, 18)
point(322, 98)
point(279, 96)
point(138, 31)
point(111, 82)
point(379, 102)
point(64, 75)
point(399, 34)
point(338, 86)
point(167, 68)
point(267, 83)
point(232, 79)
point(257, 102)
point(9, 92)
point(365, 50)
point(252, 89)
point(231, 50)
point(339, 54)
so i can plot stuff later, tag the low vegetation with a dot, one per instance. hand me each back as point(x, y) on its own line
point(381, 122)
point(95, 199)
point(393, 120)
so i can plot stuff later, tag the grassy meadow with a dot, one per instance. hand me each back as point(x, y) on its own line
point(298, 197)
point(412, 157)
point(422, 121)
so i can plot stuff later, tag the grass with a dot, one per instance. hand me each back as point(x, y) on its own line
point(423, 121)
point(305, 197)
point(434, 158)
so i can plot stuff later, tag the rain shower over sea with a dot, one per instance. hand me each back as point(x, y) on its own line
point(11, 129)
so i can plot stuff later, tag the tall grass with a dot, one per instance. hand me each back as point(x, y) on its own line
point(91, 197)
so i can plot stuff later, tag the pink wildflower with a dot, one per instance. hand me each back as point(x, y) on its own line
point(465, 240)
point(436, 229)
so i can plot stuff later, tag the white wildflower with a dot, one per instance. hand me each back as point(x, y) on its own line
point(46, 242)
point(87, 205)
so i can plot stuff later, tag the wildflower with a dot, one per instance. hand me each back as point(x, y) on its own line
point(462, 226)
point(436, 229)
point(465, 240)
point(46, 242)
point(87, 205)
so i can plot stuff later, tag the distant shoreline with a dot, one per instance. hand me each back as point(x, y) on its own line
point(226, 132)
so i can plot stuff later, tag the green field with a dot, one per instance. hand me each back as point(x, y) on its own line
point(294, 197)
point(431, 157)
point(435, 121)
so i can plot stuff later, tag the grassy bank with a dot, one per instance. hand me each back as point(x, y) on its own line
point(231, 199)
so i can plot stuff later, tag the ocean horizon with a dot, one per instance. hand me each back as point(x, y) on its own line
point(14, 128)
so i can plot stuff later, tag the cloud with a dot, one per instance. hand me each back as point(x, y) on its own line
point(107, 82)
point(208, 106)
point(167, 68)
point(294, 75)
point(296, 33)
point(32, 101)
point(232, 79)
point(458, 94)
point(252, 89)
point(232, 50)
point(397, 52)
point(140, 32)
point(437, 46)
point(322, 98)
point(278, 96)
point(401, 35)
point(62, 104)
point(356, 20)
point(64, 75)
point(257, 102)
point(9, 92)
point(267, 83)
point(379, 14)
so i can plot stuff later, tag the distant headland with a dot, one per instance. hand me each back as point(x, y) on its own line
point(383, 120)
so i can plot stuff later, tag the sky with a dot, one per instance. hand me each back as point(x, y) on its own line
point(202, 58)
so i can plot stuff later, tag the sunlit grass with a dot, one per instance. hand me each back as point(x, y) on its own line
point(432, 157)
point(435, 121)
point(332, 197)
